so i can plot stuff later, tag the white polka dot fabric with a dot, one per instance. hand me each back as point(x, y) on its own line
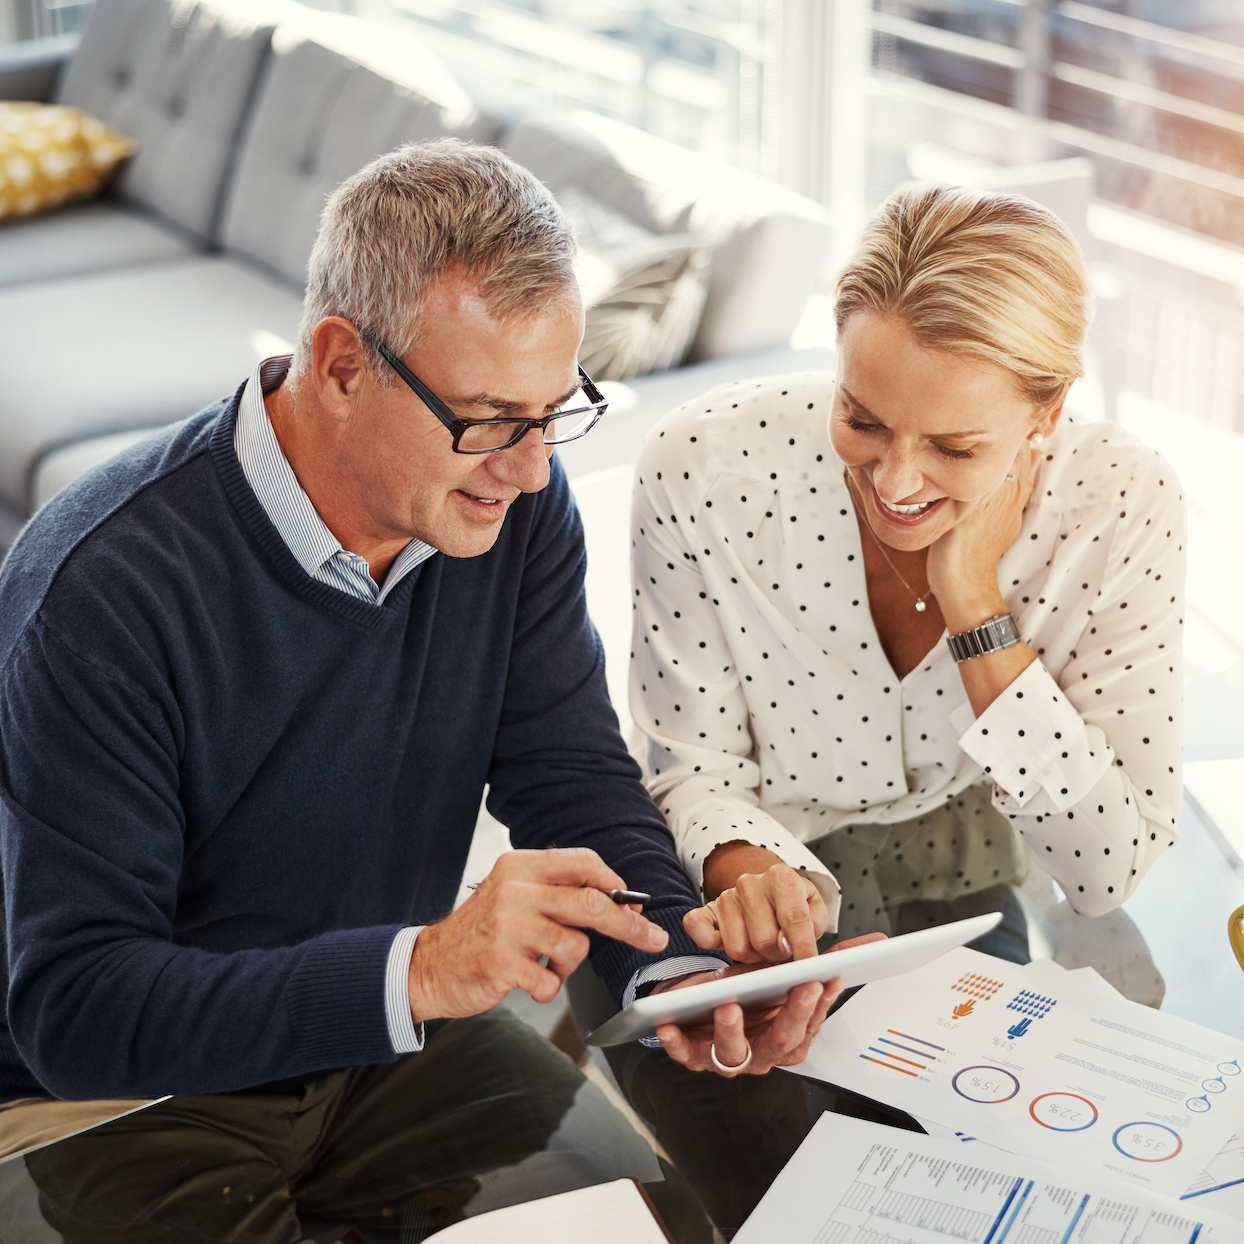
point(772, 713)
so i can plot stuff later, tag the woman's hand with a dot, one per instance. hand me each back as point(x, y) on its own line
point(778, 1036)
point(962, 565)
point(766, 914)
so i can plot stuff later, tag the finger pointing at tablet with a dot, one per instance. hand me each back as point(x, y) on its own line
point(760, 910)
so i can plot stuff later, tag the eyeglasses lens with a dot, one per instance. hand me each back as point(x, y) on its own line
point(580, 415)
point(490, 434)
point(487, 434)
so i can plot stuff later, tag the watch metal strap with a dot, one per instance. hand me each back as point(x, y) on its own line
point(992, 636)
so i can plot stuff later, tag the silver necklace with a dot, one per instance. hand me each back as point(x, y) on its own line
point(920, 605)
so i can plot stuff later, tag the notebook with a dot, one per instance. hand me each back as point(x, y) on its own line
point(613, 1213)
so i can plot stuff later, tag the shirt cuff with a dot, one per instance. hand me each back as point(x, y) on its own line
point(405, 1035)
point(1032, 739)
point(667, 969)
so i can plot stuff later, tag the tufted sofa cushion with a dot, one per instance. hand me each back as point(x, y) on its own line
point(86, 237)
point(176, 76)
point(335, 96)
point(768, 246)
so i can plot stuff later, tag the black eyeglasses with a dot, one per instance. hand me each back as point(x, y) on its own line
point(485, 436)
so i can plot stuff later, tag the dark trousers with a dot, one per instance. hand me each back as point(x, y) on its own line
point(394, 1151)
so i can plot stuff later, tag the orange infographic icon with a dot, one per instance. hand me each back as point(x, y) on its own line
point(982, 988)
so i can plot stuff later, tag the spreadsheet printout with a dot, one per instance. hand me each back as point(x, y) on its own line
point(856, 1182)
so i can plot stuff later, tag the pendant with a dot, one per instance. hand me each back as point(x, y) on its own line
point(920, 606)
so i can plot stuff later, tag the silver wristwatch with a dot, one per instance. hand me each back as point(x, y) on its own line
point(992, 636)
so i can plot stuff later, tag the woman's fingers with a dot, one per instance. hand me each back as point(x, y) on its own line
point(701, 927)
point(793, 906)
point(771, 916)
point(736, 936)
point(753, 899)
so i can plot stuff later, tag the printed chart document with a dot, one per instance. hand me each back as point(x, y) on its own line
point(855, 1182)
point(612, 1213)
point(1041, 1062)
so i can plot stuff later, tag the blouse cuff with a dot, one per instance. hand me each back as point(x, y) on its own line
point(712, 823)
point(1031, 740)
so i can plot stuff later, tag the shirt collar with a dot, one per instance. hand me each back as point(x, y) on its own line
point(283, 498)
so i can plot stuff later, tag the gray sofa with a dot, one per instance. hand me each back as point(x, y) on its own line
point(130, 312)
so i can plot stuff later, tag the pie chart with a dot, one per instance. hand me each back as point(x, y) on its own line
point(989, 1086)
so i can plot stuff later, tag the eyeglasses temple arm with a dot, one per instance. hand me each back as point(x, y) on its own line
point(426, 396)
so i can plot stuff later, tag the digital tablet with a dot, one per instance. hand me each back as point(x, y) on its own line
point(764, 986)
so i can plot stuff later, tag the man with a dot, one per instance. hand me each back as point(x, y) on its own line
point(255, 675)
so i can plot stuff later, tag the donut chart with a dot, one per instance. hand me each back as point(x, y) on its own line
point(1147, 1142)
point(1063, 1112)
point(988, 1086)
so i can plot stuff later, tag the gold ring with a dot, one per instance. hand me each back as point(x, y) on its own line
point(712, 1053)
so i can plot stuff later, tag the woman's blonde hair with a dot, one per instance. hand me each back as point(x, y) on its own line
point(977, 272)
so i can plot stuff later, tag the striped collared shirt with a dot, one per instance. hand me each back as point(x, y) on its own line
point(274, 483)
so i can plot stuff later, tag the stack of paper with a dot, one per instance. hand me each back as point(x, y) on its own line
point(1046, 1063)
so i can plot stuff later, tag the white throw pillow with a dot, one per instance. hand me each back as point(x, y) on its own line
point(644, 292)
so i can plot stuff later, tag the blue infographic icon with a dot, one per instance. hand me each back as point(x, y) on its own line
point(1031, 1006)
point(1214, 1086)
point(1229, 1069)
point(1034, 1004)
point(1198, 1104)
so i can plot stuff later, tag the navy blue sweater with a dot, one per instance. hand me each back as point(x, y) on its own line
point(225, 786)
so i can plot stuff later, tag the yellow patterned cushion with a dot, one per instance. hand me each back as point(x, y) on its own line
point(49, 153)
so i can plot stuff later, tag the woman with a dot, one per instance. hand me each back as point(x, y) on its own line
point(880, 669)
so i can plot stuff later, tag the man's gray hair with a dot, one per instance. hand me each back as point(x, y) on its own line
point(423, 210)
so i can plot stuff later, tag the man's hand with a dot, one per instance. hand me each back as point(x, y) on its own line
point(532, 905)
point(760, 910)
point(779, 1036)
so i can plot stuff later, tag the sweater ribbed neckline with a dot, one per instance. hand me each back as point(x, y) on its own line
point(257, 523)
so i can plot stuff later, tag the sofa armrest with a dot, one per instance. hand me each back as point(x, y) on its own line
point(31, 69)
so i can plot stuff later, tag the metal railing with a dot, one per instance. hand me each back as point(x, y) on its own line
point(1184, 352)
point(1035, 30)
point(1146, 103)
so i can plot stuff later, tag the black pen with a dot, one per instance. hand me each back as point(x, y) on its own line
point(618, 896)
point(629, 896)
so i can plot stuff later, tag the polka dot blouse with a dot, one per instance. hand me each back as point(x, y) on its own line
point(772, 714)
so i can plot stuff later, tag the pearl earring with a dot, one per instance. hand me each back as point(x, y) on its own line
point(1036, 439)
